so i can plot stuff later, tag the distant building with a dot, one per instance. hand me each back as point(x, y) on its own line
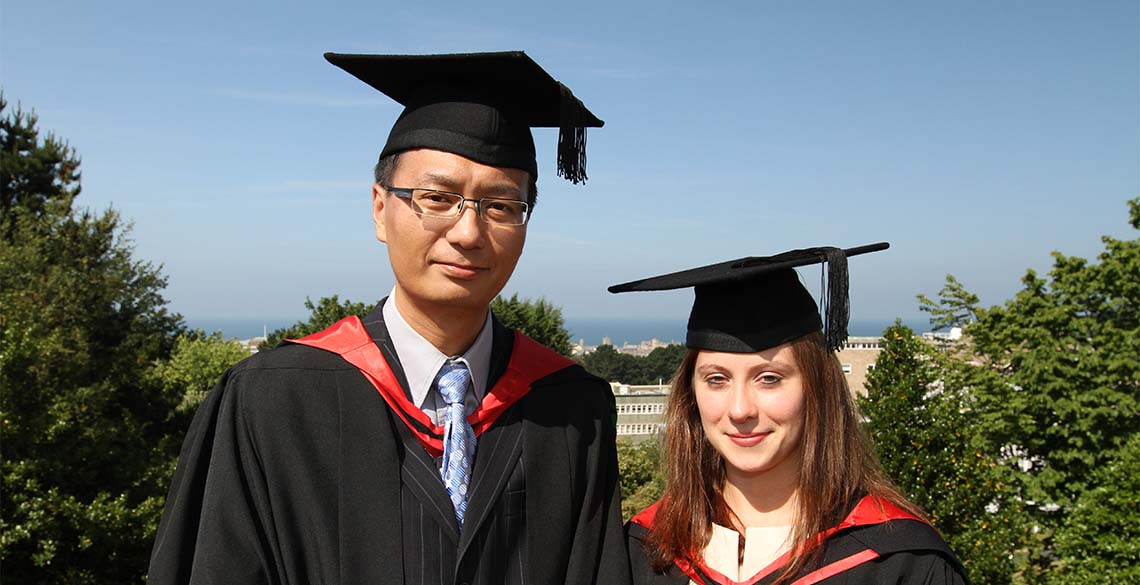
point(640, 349)
point(857, 358)
point(252, 344)
point(955, 334)
point(581, 348)
point(640, 410)
point(644, 348)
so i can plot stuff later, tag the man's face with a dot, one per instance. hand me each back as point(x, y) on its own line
point(449, 263)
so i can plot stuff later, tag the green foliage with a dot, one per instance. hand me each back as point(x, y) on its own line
point(539, 319)
point(1050, 382)
point(639, 465)
point(1064, 357)
point(1100, 540)
point(661, 364)
point(196, 364)
point(956, 307)
point(59, 537)
point(656, 368)
point(88, 435)
point(611, 365)
point(37, 176)
point(920, 424)
point(325, 312)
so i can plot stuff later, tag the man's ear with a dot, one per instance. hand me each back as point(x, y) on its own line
point(378, 212)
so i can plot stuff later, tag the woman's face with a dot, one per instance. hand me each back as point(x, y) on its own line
point(752, 408)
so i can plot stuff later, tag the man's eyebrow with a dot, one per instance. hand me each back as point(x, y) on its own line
point(507, 190)
point(436, 180)
point(446, 183)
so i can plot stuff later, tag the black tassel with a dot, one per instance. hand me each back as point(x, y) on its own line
point(837, 303)
point(571, 138)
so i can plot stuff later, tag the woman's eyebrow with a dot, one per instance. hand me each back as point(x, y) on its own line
point(779, 366)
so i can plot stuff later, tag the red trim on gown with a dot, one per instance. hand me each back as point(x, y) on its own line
point(530, 361)
point(869, 511)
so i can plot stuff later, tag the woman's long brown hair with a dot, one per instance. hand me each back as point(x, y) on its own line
point(838, 464)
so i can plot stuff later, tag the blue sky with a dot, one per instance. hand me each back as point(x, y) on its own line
point(976, 137)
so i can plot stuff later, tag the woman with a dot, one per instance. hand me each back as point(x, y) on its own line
point(770, 479)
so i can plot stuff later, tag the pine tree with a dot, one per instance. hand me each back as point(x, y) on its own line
point(611, 365)
point(921, 427)
point(38, 176)
point(1064, 351)
point(88, 435)
point(1100, 540)
point(322, 314)
point(1050, 381)
point(538, 319)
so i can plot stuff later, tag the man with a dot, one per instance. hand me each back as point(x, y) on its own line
point(426, 443)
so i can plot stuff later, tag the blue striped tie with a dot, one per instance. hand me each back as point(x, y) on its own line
point(458, 436)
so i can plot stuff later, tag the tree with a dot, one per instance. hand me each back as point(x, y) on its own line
point(656, 368)
point(1100, 540)
point(1052, 380)
point(539, 319)
point(325, 312)
point(195, 366)
point(661, 364)
point(642, 482)
point(956, 306)
point(88, 435)
point(1064, 354)
point(39, 176)
point(920, 425)
point(609, 364)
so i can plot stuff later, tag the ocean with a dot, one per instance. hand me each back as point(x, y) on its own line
point(635, 331)
point(591, 330)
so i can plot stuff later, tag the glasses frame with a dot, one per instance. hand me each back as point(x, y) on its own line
point(407, 194)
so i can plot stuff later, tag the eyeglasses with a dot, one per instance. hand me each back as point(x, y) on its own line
point(432, 203)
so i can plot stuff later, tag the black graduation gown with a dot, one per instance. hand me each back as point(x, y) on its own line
point(296, 470)
point(868, 546)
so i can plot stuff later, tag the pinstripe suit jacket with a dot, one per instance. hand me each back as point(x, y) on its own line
point(296, 471)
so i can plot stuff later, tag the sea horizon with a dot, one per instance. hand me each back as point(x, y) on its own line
point(590, 331)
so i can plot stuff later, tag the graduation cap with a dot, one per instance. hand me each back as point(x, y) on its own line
point(756, 303)
point(478, 105)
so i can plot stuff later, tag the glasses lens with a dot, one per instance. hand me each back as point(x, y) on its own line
point(504, 211)
point(436, 203)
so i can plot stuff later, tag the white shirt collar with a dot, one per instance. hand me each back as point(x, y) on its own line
point(421, 360)
point(762, 546)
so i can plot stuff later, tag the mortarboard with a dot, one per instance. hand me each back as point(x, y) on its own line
point(755, 303)
point(478, 105)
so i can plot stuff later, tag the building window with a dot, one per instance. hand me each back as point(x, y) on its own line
point(846, 368)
